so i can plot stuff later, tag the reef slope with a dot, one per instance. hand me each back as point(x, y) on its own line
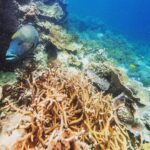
point(67, 97)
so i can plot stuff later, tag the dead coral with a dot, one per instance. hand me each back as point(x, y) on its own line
point(64, 41)
point(54, 11)
point(74, 61)
point(66, 112)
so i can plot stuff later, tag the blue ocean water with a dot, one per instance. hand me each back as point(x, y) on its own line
point(120, 26)
point(130, 17)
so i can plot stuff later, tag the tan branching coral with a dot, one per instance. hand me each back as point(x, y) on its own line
point(66, 112)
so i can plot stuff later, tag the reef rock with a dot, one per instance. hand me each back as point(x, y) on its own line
point(54, 11)
point(100, 82)
point(136, 119)
point(120, 83)
point(74, 61)
point(64, 41)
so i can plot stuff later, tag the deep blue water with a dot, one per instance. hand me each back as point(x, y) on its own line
point(130, 17)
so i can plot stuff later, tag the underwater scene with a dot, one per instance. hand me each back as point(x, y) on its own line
point(74, 75)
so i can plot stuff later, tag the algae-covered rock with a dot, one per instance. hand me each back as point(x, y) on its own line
point(146, 146)
point(53, 11)
point(132, 116)
point(120, 82)
point(74, 61)
point(125, 115)
point(64, 41)
point(100, 82)
point(7, 78)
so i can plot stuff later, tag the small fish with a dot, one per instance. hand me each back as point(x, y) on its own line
point(24, 41)
point(132, 67)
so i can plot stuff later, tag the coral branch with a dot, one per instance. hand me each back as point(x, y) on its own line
point(65, 112)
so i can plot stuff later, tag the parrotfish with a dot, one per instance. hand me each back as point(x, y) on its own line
point(23, 42)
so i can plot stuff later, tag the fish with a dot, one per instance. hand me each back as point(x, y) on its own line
point(23, 42)
point(132, 67)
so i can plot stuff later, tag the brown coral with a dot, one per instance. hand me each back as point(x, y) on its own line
point(66, 112)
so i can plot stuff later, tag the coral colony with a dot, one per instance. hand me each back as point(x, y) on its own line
point(66, 97)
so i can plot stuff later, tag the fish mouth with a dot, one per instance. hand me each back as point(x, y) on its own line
point(11, 57)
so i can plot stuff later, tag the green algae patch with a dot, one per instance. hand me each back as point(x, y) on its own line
point(7, 78)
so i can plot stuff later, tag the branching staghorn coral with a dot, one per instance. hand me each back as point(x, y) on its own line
point(65, 112)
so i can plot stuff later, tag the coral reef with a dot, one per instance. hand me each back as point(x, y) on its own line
point(59, 110)
point(18, 12)
point(55, 11)
point(132, 102)
point(122, 51)
point(79, 101)
point(63, 40)
point(74, 61)
point(120, 82)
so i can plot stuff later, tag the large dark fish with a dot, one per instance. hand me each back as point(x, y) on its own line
point(24, 41)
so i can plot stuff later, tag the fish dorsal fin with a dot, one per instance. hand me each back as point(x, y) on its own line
point(15, 36)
